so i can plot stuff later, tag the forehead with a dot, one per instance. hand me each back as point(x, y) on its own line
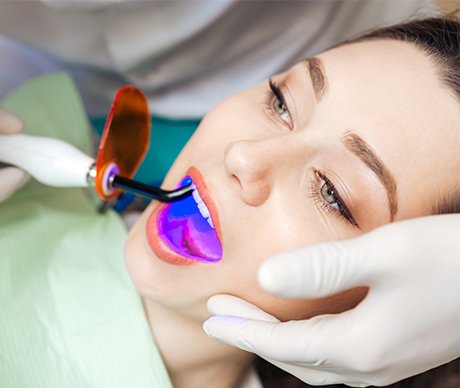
point(390, 92)
point(394, 79)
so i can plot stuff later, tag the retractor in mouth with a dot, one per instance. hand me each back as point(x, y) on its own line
point(186, 226)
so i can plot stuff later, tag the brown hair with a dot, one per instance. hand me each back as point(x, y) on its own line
point(439, 38)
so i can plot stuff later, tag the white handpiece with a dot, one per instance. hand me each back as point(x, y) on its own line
point(50, 161)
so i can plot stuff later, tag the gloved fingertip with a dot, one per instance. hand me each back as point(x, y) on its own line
point(221, 326)
point(269, 276)
point(217, 302)
point(210, 304)
point(208, 326)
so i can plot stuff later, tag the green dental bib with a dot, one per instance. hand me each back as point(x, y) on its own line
point(69, 314)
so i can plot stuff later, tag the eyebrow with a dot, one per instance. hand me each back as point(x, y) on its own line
point(315, 67)
point(356, 144)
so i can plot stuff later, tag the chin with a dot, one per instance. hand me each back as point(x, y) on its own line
point(154, 279)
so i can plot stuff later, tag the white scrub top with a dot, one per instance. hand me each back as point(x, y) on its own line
point(185, 55)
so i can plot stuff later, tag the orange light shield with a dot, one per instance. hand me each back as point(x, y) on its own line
point(125, 139)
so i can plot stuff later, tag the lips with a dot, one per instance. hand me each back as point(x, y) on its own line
point(186, 231)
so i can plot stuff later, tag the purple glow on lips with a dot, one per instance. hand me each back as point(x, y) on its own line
point(187, 232)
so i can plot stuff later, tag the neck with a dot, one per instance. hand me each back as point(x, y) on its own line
point(190, 356)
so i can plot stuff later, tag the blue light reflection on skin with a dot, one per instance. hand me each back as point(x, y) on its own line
point(187, 232)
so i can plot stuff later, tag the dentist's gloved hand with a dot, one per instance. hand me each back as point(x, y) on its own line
point(408, 323)
point(11, 178)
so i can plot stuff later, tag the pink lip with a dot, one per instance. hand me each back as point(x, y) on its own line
point(158, 246)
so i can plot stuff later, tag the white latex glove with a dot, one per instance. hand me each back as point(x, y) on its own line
point(408, 323)
point(11, 178)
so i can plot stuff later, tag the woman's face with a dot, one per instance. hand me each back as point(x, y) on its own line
point(341, 143)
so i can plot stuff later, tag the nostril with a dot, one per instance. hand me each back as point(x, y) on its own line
point(256, 193)
point(237, 180)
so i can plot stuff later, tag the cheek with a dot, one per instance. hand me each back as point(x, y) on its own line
point(242, 282)
point(253, 248)
point(233, 119)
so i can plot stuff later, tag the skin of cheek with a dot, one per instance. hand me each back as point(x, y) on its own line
point(258, 234)
point(187, 296)
point(247, 287)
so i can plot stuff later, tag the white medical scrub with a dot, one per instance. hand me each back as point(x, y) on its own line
point(185, 55)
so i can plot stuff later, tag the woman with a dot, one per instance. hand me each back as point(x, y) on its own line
point(358, 136)
point(334, 147)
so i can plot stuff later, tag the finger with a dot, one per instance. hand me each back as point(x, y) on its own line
point(307, 349)
point(231, 305)
point(9, 123)
point(302, 342)
point(321, 270)
point(11, 179)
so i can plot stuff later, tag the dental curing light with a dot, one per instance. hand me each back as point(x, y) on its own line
point(123, 145)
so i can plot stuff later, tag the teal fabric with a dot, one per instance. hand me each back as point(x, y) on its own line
point(168, 137)
point(69, 314)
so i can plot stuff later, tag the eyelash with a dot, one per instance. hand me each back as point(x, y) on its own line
point(275, 94)
point(341, 210)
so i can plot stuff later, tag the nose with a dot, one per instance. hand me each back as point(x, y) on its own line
point(252, 165)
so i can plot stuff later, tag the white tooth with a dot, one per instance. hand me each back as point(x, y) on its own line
point(196, 196)
point(199, 201)
point(203, 210)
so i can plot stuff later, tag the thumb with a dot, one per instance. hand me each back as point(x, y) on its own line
point(301, 342)
point(232, 305)
point(322, 269)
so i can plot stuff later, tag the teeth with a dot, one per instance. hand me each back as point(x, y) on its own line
point(204, 211)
